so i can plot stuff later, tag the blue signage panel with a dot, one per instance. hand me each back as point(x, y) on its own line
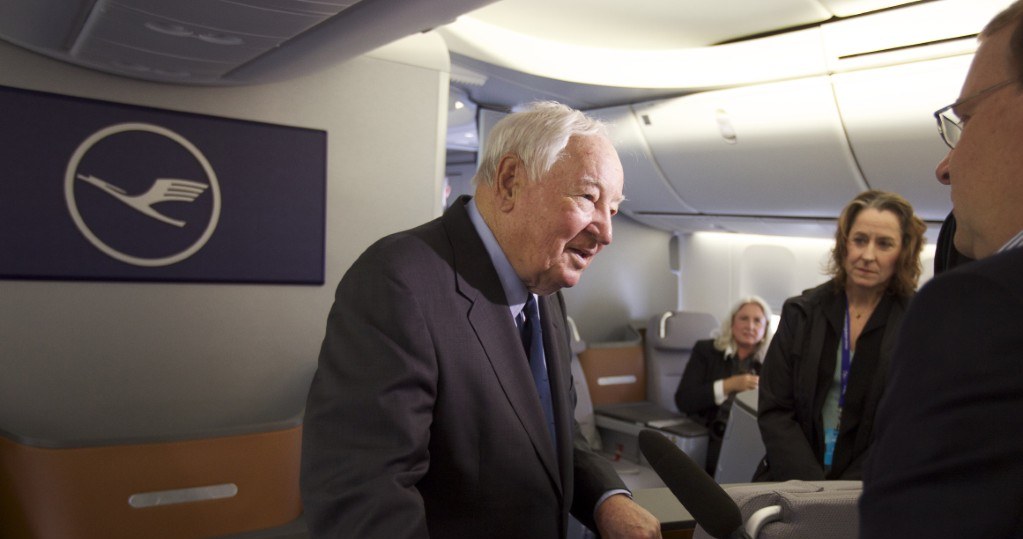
point(105, 191)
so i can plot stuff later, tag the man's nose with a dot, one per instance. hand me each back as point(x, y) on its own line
point(601, 226)
point(942, 172)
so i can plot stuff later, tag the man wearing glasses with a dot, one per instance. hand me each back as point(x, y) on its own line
point(947, 459)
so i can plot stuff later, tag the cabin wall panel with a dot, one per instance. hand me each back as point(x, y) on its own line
point(718, 269)
point(629, 281)
point(96, 360)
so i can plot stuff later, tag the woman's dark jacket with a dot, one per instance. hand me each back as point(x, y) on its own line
point(799, 369)
point(695, 394)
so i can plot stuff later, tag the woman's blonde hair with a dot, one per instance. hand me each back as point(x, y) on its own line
point(725, 341)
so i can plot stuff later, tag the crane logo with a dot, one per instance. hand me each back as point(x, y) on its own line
point(119, 200)
point(163, 190)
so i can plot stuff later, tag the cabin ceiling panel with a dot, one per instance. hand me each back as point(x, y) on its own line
point(124, 37)
point(647, 24)
point(281, 19)
point(217, 42)
point(923, 31)
point(846, 8)
point(43, 24)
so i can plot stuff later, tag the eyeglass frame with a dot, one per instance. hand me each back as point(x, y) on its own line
point(953, 121)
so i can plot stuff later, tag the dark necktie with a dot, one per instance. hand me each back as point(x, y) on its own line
point(532, 339)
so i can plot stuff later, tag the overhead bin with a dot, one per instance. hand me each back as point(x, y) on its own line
point(888, 116)
point(795, 149)
point(646, 189)
point(788, 155)
point(775, 149)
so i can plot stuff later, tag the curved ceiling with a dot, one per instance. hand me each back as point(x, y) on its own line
point(216, 41)
point(592, 53)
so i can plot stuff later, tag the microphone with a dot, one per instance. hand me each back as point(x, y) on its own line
point(709, 504)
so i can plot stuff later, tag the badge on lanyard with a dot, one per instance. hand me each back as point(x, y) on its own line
point(831, 435)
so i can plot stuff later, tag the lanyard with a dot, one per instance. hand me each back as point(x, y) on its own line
point(846, 359)
point(831, 435)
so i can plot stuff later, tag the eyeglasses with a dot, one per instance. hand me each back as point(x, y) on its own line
point(949, 124)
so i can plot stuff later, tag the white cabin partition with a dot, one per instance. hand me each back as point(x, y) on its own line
point(108, 365)
point(718, 268)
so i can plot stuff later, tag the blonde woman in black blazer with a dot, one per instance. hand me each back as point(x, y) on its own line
point(719, 368)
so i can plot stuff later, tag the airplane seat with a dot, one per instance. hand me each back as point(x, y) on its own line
point(583, 403)
point(796, 509)
point(615, 369)
point(742, 446)
point(583, 414)
point(615, 372)
point(669, 343)
point(69, 480)
point(634, 474)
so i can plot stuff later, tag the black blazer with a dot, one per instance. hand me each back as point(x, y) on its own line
point(799, 369)
point(423, 419)
point(695, 394)
point(948, 456)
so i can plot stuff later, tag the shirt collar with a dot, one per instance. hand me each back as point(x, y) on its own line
point(514, 290)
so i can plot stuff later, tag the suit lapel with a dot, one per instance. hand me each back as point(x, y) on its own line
point(491, 320)
point(558, 355)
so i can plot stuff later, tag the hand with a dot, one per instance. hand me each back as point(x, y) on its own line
point(741, 382)
point(620, 517)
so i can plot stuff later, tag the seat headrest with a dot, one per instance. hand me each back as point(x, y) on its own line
point(680, 329)
point(575, 341)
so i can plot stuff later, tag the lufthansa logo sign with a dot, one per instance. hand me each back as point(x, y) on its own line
point(142, 194)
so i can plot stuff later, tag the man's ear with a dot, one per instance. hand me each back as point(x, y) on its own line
point(511, 178)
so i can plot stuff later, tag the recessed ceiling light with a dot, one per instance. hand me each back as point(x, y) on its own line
point(219, 39)
point(169, 28)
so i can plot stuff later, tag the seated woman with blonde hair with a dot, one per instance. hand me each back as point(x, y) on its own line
point(719, 368)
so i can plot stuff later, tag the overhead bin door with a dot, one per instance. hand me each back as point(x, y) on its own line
point(888, 115)
point(774, 149)
point(646, 189)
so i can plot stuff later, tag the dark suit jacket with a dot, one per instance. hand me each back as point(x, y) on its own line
point(948, 455)
point(423, 418)
point(695, 394)
point(798, 370)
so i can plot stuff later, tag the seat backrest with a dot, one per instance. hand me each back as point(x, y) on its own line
point(616, 370)
point(214, 485)
point(583, 402)
point(669, 342)
point(219, 457)
point(808, 509)
point(742, 447)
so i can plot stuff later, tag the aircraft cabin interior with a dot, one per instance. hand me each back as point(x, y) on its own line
point(155, 359)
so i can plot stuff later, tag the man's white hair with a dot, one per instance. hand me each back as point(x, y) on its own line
point(537, 135)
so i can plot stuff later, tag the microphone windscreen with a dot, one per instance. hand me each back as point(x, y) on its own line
point(709, 504)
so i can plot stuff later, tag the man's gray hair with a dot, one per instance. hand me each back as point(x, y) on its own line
point(537, 135)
